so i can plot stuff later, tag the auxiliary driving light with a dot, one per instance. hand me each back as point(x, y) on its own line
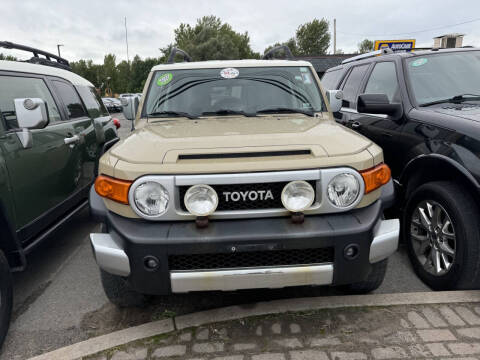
point(201, 200)
point(298, 196)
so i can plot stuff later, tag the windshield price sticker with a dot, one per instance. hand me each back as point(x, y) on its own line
point(164, 79)
point(419, 62)
point(229, 73)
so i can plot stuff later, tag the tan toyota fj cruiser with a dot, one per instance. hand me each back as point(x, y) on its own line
point(237, 176)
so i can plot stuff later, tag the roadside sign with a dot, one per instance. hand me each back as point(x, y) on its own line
point(398, 45)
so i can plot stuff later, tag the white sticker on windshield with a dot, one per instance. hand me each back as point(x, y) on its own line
point(229, 73)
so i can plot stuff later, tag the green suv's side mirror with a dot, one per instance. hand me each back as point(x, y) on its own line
point(31, 114)
point(130, 107)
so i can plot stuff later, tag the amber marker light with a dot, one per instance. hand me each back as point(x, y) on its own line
point(113, 189)
point(376, 177)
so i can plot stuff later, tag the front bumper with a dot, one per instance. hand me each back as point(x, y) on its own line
point(129, 243)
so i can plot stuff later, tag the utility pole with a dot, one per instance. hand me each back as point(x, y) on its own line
point(58, 48)
point(126, 39)
point(334, 36)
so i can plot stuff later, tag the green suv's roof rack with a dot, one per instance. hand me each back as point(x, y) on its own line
point(49, 59)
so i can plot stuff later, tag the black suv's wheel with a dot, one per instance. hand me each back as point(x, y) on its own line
point(373, 281)
point(120, 293)
point(6, 295)
point(440, 227)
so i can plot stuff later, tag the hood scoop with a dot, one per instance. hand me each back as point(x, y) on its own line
point(243, 155)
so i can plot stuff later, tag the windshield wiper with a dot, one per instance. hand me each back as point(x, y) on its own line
point(172, 113)
point(227, 112)
point(458, 99)
point(286, 110)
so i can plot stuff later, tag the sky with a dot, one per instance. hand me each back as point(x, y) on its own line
point(89, 29)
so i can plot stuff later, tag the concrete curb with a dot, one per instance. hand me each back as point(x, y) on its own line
point(117, 338)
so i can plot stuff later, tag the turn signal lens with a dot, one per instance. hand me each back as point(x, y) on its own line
point(113, 189)
point(376, 177)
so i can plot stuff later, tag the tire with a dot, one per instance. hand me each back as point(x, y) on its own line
point(441, 219)
point(120, 293)
point(373, 281)
point(6, 296)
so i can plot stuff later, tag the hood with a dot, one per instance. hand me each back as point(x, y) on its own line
point(173, 141)
point(465, 111)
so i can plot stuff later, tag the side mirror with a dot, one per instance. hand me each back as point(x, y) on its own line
point(335, 98)
point(130, 106)
point(379, 104)
point(31, 113)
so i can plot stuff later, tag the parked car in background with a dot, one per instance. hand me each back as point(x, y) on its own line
point(237, 176)
point(113, 105)
point(423, 109)
point(53, 129)
point(126, 95)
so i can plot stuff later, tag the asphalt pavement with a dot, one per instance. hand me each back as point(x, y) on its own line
point(59, 300)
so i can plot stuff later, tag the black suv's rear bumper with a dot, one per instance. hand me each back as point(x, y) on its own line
point(187, 261)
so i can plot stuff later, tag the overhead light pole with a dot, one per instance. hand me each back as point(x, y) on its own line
point(58, 48)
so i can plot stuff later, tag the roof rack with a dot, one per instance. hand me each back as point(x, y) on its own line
point(384, 51)
point(174, 52)
point(269, 55)
point(49, 59)
point(368, 55)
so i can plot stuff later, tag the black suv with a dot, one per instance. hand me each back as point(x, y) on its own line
point(423, 109)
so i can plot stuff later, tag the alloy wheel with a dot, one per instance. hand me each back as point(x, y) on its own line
point(433, 237)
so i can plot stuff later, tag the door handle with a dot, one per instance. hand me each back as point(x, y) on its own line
point(75, 139)
point(355, 125)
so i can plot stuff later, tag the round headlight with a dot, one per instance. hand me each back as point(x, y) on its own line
point(297, 196)
point(343, 190)
point(151, 198)
point(201, 200)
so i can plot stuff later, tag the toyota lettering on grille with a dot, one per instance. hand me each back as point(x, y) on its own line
point(250, 195)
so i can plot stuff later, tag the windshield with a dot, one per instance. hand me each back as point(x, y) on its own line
point(444, 76)
point(233, 91)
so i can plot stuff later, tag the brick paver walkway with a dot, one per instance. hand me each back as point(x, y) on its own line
point(396, 332)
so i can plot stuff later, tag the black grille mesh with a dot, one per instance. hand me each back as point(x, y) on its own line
point(250, 259)
point(223, 205)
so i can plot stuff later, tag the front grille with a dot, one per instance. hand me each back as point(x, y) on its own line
point(250, 259)
point(245, 203)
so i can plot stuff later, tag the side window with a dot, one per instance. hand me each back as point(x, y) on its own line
point(383, 80)
point(92, 101)
point(352, 84)
point(70, 99)
point(331, 78)
point(14, 87)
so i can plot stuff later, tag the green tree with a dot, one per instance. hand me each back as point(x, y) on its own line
point(123, 77)
point(365, 46)
point(7, 57)
point(313, 37)
point(210, 39)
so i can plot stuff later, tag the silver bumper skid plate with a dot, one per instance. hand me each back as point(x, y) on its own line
point(113, 259)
